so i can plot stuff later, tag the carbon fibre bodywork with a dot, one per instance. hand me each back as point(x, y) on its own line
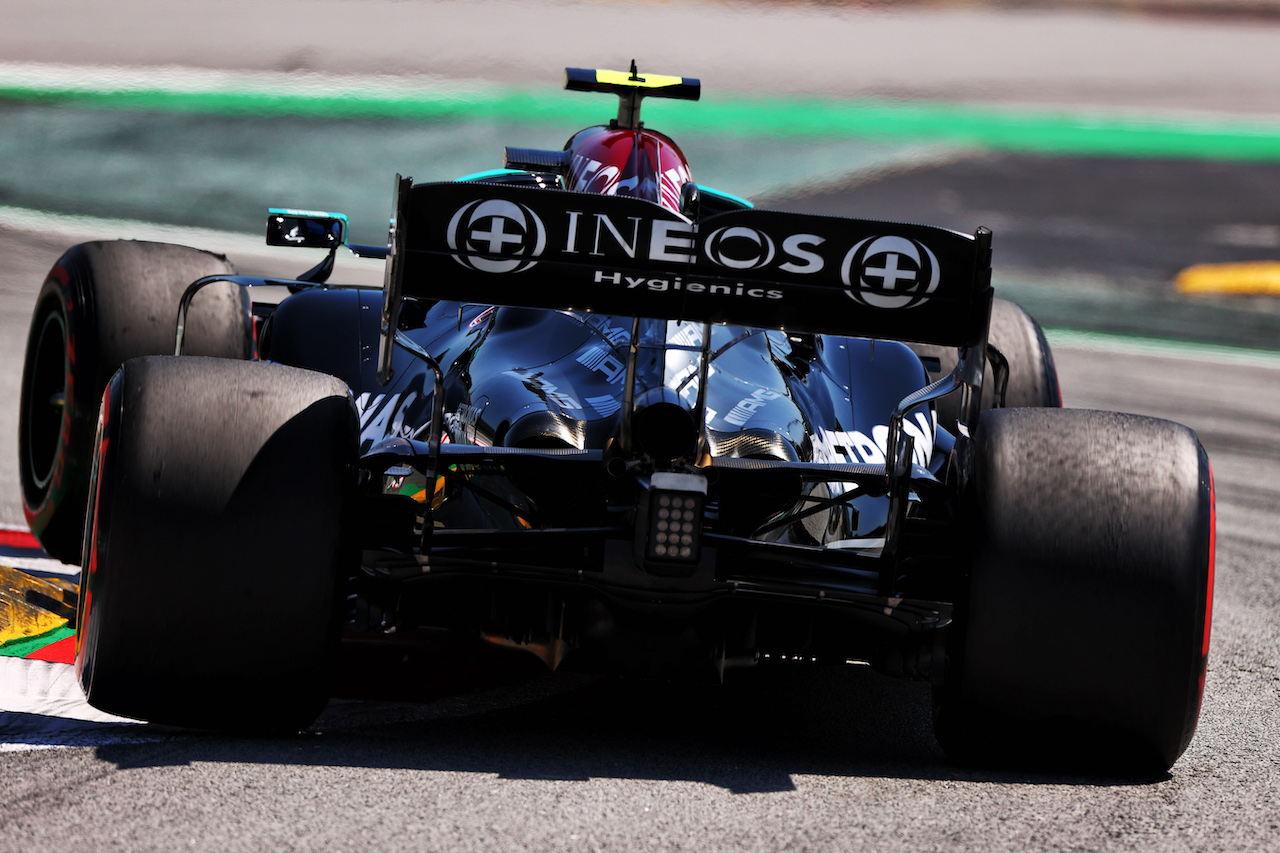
point(547, 387)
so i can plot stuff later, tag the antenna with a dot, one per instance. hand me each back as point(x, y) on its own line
point(629, 102)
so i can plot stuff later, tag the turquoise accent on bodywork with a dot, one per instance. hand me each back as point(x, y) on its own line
point(307, 214)
point(491, 173)
point(724, 195)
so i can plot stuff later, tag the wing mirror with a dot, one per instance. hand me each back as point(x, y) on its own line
point(308, 229)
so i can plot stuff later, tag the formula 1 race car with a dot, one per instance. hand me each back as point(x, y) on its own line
point(608, 419)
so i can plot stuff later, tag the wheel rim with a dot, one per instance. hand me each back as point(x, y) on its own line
point(46, 399)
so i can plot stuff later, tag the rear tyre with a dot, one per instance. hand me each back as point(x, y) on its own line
point(1033, 377)
point(214, 543)
point(102, 304)
point(1085, 634)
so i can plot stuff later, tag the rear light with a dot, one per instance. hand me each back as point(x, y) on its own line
point(671, 523)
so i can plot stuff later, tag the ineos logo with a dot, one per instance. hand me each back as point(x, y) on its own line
point(890, 272)
point(738, 247)
point(506, 236)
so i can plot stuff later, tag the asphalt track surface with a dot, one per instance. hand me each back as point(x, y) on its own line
point(799, 759)
point(790, 759)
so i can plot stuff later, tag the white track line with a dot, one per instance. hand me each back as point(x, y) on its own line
point(42, 707)
point(89, 227)
point(179, 79)
point(1162, 348)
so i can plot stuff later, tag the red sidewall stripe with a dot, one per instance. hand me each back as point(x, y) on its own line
point(1213, 556)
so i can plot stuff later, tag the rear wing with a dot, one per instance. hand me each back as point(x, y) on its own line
point(535, 248)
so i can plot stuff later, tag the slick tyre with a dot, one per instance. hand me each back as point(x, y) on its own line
point(1085, 633)
point(1033, 377)
point(102, 304)
point(214, 543)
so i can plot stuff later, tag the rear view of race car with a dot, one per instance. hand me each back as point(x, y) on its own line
point(621, 423)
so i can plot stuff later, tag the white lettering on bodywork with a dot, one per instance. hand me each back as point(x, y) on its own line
point(839, 447)
point(748, 406)
point(383, 416)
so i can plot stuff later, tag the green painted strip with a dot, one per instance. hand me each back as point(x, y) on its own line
point(24, 646)
point(1032, 130)
point(1053, 132)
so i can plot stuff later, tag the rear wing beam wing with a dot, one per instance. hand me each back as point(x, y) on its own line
point(534, 248)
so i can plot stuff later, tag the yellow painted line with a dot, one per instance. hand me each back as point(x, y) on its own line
point(1244, 279)
point(30, 606)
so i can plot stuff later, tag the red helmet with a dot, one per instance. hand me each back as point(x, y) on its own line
point(630, 162)
point(621, 158)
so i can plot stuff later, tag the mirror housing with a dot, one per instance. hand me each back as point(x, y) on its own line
point(308, 229)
